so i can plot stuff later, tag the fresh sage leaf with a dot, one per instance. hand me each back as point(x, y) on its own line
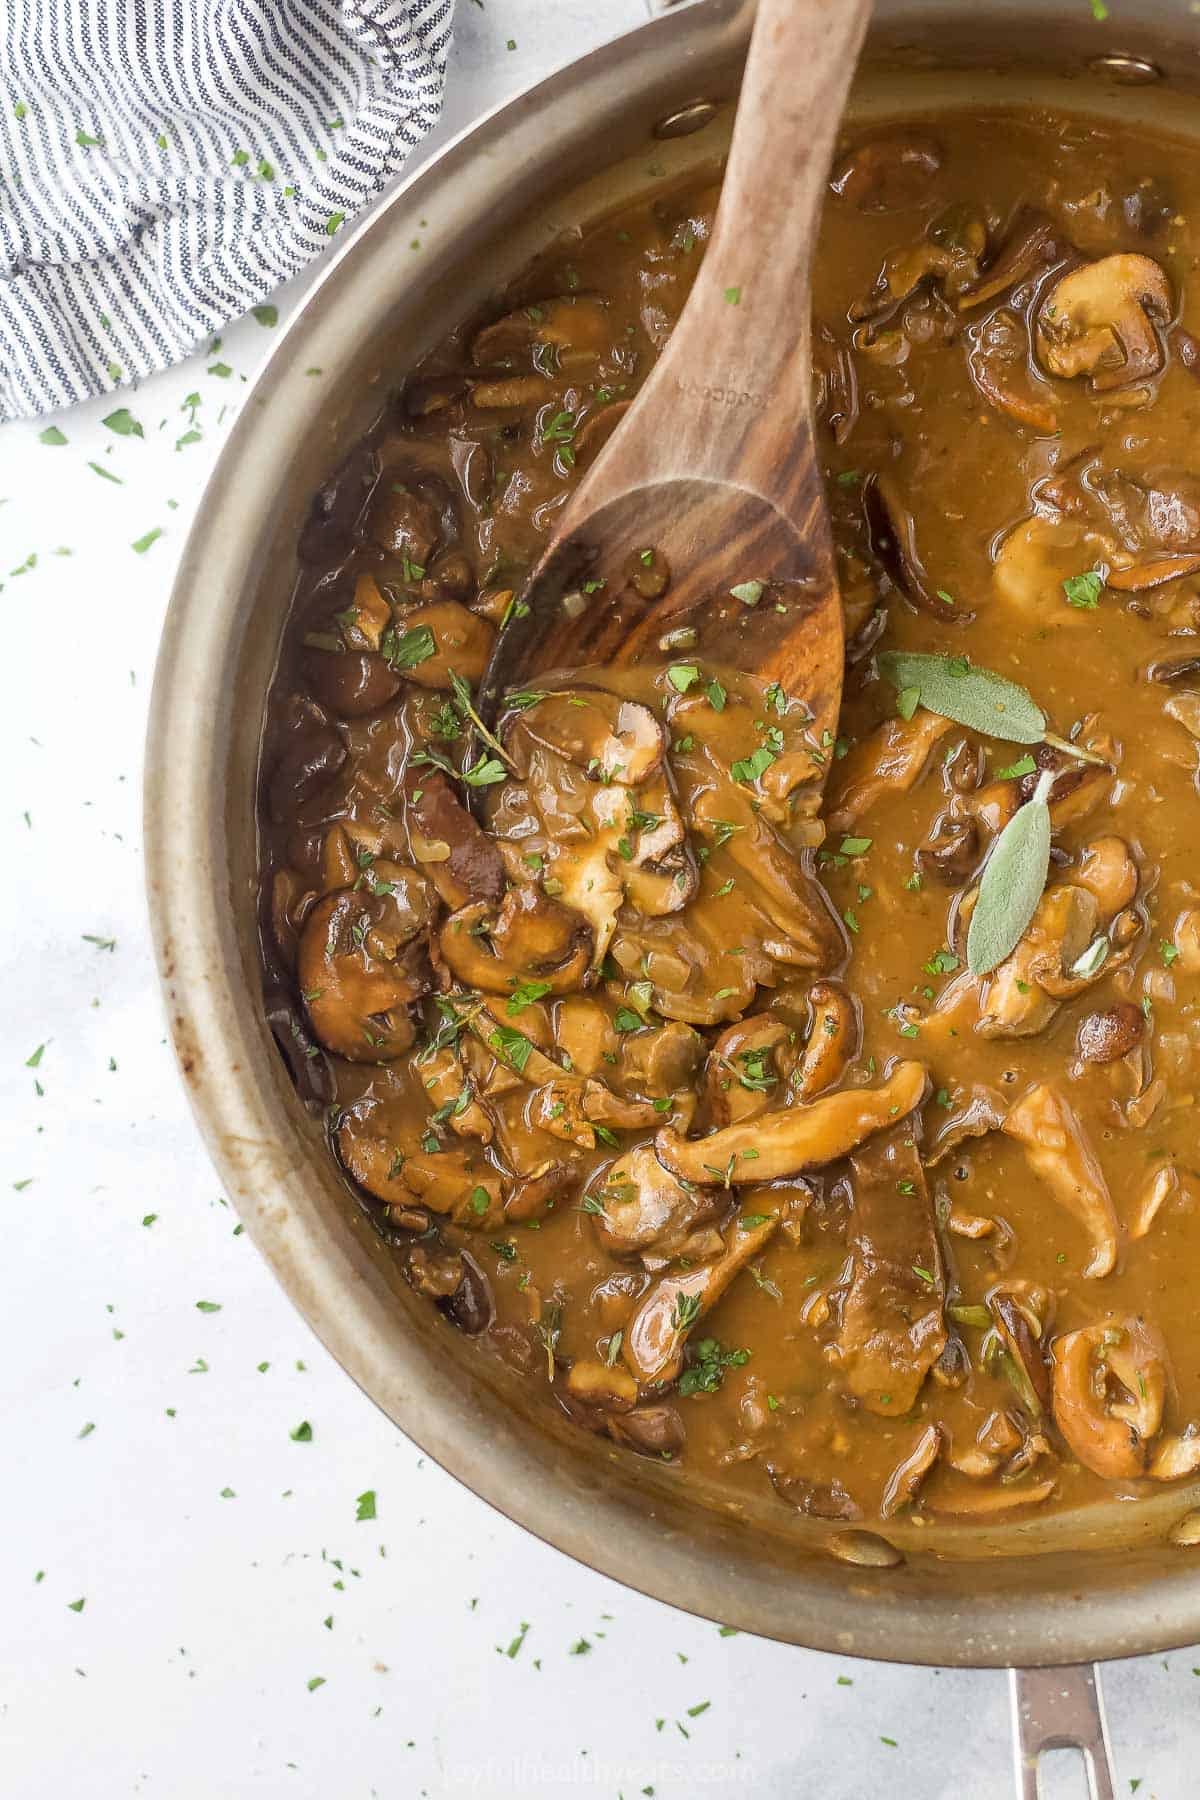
point(977, 698)
point(1014, 879)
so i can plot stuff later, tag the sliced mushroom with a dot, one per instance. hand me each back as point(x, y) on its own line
point(998, 359)
point(457, 1184)
point(656, 1334)
point(1053, 1137)
point(442, 1075)
point(981, 1112)
point(1110, 1389)
point(1020, 1330)
point(644, 1207)
point(1030, 246)
point(611, 739)
point(1176, 1456)
point(905, 1479)
point(832, 1042)
point(949, 262)
point(471, 868)
point(602, 1384)
point(888, 1305)
point(574, 328)
point(1100, 320)
point(362, 962)
point(803, 1137)
point(530, 939)
point(748, 1069)
point(662, 1061)
point(1017, 1000)
point(893, 534)
point(651, 1430)
point(1034, 560)
point(815, 1499)
point(584, 1033)
point(305, 769)
point(352, 684)
point(1163, 1185)
point(891, 761)
point(462, 643)
point(887, 173)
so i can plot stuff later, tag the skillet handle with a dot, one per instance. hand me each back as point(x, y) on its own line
point(1060, 1709)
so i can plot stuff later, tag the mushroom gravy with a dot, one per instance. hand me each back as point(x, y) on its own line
point(677, 1082)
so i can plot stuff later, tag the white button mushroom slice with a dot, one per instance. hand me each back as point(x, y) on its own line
point(1100, 320)
point(803, 1137)
point(656, 1334)
point(1059, 1152)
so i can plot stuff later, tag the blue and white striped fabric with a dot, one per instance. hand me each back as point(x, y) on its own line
point(166, 164)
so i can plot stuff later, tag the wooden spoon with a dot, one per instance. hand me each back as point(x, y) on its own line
point(711, 482)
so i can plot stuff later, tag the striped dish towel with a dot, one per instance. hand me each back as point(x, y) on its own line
point(166, 164)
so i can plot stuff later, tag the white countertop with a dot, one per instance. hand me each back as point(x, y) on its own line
point(190, 1607)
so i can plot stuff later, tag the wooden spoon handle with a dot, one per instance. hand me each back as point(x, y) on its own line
point(730, 399)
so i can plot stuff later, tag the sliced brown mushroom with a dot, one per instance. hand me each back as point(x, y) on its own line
point(890, 761)
point(583, 1031)
point(998, 359)
point(454, 852)
point(352, 684)
point(1020, 1330)
point(1052, 1135)
point(803, 1137)
point(982, 1111)
point(362, 962)
point(832, 1043)
point(462, 643)
point(815, 1499)
point(948, 261)
point(1017, 998)
point(1030, 246)
point(887, 173)
point(1110, 1390)
point(643, 1207)
point(656, 1334)
point(445, 1080)
point(611, 739)
point(893, 535)
point(1034, 560)
point(748, 1069)
point(662, 1061)
point(905, 1480)
point(573, 328)
point(602, 1384)
point(457, 1184)
point(888, 1304)
point(529, 939)
point(1101, 320)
